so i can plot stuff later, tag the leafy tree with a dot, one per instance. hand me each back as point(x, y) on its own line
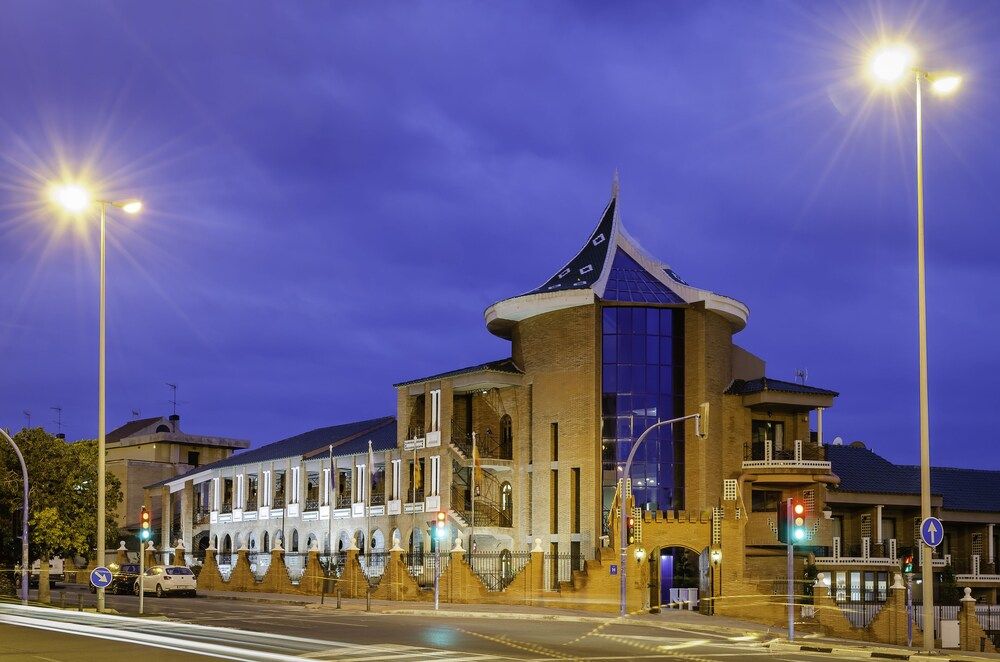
point(948, 592)
point(62, 497)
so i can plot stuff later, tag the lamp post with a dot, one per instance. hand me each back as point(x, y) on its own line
point(892, 64)
point(76, 199)
point(25, 565)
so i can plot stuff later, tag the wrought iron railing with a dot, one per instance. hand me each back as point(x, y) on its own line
point(333, 564)
point(415, 496)
point(497, 569)
point(312, 503)
point(560, 568)
point(295, 563)
point(488, 446)
point(378, 496)
point(373, 565)
point(415, 432)
point(344, 500)
point(756, 451)
point(259, 563)
point(201, 516)
point(421, 567)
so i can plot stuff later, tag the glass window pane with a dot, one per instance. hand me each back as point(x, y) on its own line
point(652, 349)
point(609, 345)
point(610, 317)
point(652, 321)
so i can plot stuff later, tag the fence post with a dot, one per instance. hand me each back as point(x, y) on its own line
point(179, 556)
point(537, 585)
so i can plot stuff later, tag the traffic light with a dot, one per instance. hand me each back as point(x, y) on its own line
point(145, 533)
point(907, 564)
point(701, 423)
point(792, 515)
point(440, 526)
point(629, 530)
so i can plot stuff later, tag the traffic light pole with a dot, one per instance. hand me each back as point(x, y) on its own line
point(622, 518)
point(791, 591)
point(437, 573)
point(142, 572)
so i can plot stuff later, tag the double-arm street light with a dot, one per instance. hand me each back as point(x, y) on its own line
point(892, 65)
point(75, 199)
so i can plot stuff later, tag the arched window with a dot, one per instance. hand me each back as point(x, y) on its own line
point(162, 428)
point(506, 504)
point(227, 545)
point(506, 438)
point(265, 545)
point(295, 541)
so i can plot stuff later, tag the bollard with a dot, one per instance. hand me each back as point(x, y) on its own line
point(322, 592)
point(79, 601)
point(338, 598)
point(368, 600)
point(62, 599)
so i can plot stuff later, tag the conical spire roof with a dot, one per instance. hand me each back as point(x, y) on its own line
point(611, 266)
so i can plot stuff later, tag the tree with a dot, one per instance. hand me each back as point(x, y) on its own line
point(948, 592)
point(62, 497)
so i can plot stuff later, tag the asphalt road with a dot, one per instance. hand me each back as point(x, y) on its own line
point(201, 628)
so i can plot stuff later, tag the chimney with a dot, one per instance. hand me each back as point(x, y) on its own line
point(175, 422)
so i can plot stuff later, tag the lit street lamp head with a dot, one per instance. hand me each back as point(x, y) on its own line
point(891, 63)
point(130, 206)
point(944, 84)
point(71, 197)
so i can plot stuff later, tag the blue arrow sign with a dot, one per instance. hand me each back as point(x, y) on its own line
point(932, 531)
point(100, 577)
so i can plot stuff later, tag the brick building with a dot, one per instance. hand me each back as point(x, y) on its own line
point(527, 450)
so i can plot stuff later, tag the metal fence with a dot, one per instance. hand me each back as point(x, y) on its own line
point(497, 569)
point(295, 563)
point(422, 567)
point(373, 565)
point(860, 613)
point(225, 561)
point(259, 563)
point(333, 564)
point(941, 612)
point(989, 619)
point(560, 567)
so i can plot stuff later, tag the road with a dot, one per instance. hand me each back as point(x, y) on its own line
point(203, 628)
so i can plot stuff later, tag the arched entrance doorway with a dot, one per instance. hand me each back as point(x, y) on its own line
point(672, 568)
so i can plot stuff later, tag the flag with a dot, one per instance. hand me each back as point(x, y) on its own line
point(418, 479)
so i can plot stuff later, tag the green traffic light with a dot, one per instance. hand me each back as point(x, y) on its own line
point(799, 534)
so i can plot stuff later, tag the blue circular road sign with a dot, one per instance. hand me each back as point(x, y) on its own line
point(932, 531)
point(100, 577)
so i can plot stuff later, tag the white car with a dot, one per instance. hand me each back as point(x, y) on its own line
point(164, 579)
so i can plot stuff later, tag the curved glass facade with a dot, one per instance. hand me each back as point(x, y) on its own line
point(642, 382)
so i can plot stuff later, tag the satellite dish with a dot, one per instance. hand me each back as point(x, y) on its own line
point(838, 441)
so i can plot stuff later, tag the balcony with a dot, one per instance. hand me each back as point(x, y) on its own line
point(864, 553)
point(415, 438)
point(488, 446)
point(763, 455)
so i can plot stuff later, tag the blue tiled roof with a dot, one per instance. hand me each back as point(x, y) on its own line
point(585, 269)
point(629, 281)
point(747, 386)
point(861, 470)
point(346, 438)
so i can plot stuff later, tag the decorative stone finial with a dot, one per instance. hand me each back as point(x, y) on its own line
point(211, 547)
point(277, 546)
point(458, 545)
point(819, 580)
point(180, 543)
point(149, 546)
point(897, 581)
point(395, 544)
point(353, 547)
point(121, 546)
point(538, 546)
point(968, 595)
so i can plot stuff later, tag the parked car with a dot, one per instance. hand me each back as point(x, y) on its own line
point(123, 579)
point(168, 579)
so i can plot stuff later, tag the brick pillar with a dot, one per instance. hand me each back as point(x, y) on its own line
point(121, 554)
point(150, 555)
point(187, 514)
point(179, 557)
point(971, 634)
point(165, 516)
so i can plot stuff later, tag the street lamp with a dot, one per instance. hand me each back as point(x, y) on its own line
point(890, 65)
point(25, 565)
point(76, 199)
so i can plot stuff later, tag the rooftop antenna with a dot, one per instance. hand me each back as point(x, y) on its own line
point(135, 414)
point(27, 415)
point(173, 397)
point(58, 411)
point(801, 375)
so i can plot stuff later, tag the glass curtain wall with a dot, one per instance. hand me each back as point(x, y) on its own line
point(642, 379)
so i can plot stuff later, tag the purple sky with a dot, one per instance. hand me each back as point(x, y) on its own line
point(336, 191)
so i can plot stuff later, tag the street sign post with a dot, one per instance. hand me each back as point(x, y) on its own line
point(100, 577)
point(932, 531)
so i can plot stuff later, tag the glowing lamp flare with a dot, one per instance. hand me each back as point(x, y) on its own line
point(132, 206)
point(71, 197)
point(891, 63)
point(945, 85)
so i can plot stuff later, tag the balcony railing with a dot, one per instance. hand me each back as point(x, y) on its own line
point(344, 500)
point(763, 455)
point(312, 503)
point(489, 446)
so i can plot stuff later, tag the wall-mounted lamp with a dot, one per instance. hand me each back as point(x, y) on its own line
point(640, 554)
point(827, 513)
point(716, 556)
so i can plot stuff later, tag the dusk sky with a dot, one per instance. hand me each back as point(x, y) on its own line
point(336, 191)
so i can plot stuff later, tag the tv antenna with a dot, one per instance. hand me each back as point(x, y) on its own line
point(173, 397)
point(801, 375)
point(135, 414)
point(27, 415)
point(58, 421)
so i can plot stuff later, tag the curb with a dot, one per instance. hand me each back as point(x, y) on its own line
point(877, 654)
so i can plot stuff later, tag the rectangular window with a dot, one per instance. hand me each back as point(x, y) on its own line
point(344, 489)
point(435, 410)
point(837, 526)
point(774, 431)
point(251, 502)
point(416, 492)
point(193, 458)
point(888, 530)
point(765, 501)
point(575, 500)
point(554, 439)
point(435, 475)
point(227, 495)
point(312, 490)
point(279, 489)
point(554, 502)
